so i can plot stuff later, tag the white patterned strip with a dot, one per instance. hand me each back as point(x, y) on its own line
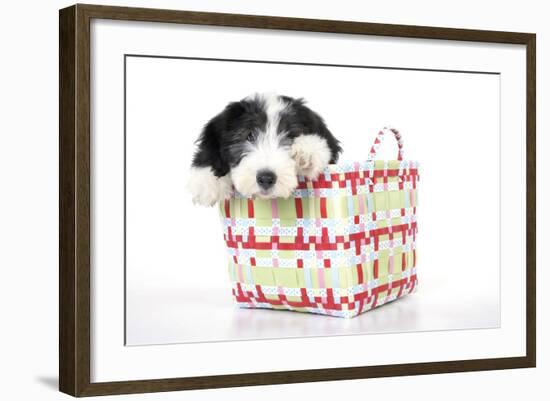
point(312, 227)
point(314, 259)
point(322, 292)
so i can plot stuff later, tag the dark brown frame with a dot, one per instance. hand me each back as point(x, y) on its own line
point(74, 199)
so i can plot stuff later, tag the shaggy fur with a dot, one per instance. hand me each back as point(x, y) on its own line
point(257, 146)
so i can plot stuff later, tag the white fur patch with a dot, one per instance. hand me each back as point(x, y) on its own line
point(206, 189)
point(274, 106)
point(267, 153)
point(312, 155)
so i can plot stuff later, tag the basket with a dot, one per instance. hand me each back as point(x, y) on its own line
point(340, 245)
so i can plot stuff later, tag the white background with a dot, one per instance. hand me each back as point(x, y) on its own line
point(111, 360)
point(29, 205)
point(176, 276)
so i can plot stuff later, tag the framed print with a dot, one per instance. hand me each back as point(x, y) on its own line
point(307, 200)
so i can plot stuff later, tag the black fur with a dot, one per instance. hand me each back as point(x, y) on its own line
point(301, 120)
point(222, 143)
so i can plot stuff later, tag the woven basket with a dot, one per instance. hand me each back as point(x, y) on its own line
point(340, 245)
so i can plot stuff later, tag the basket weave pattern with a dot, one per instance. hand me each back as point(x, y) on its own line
point(340, 245)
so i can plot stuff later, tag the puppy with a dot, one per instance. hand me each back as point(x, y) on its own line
point(257, 146)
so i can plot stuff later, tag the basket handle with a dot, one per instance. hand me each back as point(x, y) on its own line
point(380, 138)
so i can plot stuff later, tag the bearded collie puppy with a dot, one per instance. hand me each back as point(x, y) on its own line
point(257, 147)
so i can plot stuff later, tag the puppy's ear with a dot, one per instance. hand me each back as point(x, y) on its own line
point(314, 124)
point(210, 142)
point(333, 143)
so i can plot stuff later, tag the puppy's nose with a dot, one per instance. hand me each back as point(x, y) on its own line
point(266, 179)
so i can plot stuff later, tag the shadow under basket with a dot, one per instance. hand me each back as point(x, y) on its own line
point(340, 245)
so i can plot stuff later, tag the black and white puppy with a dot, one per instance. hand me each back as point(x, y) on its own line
point(257, 146)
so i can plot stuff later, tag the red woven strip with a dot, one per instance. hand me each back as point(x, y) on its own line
point(330, 303)
point(324, 245)
point(229, 235)
point(375, 267)
point(359, 274)
point(261, 297)
point(226, 207)
point(375, 301)
point(240, 292)
point(299, 211)
point(400, 290)
point(305, 298)
point(330, 299)
point(349, 178)
point(360, 241)
point(250, 208)
point(323, 207)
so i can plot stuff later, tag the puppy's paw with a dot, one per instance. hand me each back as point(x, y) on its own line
point(311, 154)
point(206, 189)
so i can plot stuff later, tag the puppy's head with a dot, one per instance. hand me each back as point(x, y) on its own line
point(251, 141)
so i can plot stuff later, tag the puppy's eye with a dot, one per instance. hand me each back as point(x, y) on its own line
point(251, 137)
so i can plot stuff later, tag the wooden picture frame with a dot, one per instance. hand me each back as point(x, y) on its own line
point(74, 199)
